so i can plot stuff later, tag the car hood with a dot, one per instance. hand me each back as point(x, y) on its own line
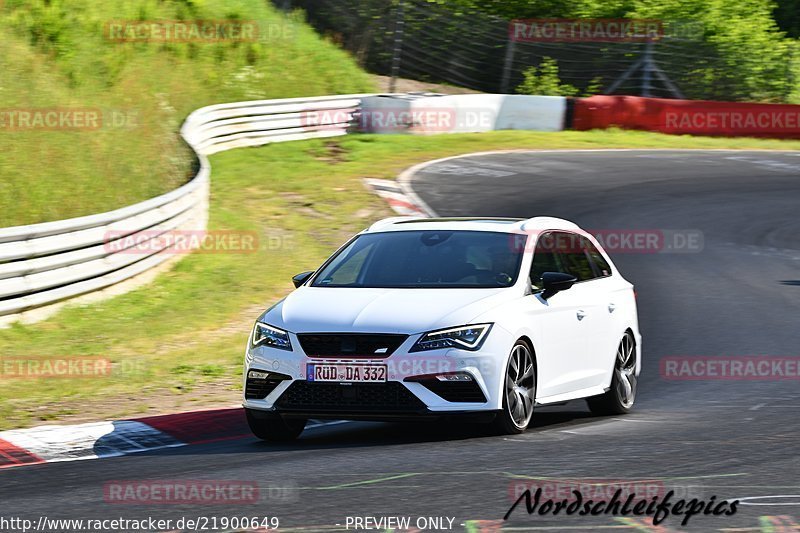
point(329, 309)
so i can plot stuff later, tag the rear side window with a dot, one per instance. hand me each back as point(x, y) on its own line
point(573, 253)
point(569, 253)
point(600, 263)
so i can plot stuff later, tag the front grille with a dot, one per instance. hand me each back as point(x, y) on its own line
point(355, 397)
point(455, 391)
point(258, 389)
point(350, 344)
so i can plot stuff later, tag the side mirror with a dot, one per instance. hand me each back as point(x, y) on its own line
point(553, 282)
point(301, 278)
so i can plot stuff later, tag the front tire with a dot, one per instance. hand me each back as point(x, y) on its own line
point(272, 427)
point(519, 392)
point(619, 399)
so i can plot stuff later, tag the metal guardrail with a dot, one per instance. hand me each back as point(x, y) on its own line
point(42, 264)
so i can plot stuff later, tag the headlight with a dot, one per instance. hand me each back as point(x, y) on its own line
point(264, 335)
point(463, 337)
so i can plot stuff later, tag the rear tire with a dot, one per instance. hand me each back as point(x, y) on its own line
point(619, 398)
point(272, 427)
point(519, 392)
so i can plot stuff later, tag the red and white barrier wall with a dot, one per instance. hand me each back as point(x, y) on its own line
point(692, 117)
point(435, 113)
point(465, 113)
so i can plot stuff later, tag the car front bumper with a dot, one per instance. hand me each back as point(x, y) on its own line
point(294, 396)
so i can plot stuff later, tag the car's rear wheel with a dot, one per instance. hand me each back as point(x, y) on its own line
point(519, 391)
point(619, 399)
point(272, 427)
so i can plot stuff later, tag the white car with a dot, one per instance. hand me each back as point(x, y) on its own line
point(484, 318)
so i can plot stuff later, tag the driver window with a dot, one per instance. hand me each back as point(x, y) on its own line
point(349, 267)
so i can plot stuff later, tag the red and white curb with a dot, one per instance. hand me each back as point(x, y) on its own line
point(95, 440)
point(401, 199)
point(46, 444)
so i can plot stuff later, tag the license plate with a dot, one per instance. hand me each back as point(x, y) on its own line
point(346, 373)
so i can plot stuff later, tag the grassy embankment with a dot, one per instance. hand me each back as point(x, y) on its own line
point(59, 54)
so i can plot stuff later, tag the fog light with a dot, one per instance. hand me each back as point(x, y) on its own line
point(454, 377)
point(257, 374)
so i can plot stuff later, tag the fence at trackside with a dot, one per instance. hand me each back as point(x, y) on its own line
point(42, 264)
point(686, 117)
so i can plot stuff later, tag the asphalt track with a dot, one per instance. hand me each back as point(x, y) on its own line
point(737, 296)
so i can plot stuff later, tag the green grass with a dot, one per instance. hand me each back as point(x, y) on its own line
point(55, 55)
point(185, 333)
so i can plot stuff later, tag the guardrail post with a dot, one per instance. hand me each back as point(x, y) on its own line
point(399, 28)
point(507, 65)
point(648, 69)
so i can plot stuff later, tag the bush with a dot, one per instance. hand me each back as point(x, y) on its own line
point(543, 80)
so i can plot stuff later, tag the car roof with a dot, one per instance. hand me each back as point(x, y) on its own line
point(496, 224)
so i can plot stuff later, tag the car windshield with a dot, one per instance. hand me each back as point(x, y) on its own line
point(425, 259)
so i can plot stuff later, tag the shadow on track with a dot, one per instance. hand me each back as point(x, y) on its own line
point(369, 434)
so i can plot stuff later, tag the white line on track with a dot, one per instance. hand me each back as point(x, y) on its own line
point(745, 500)
point(323, 424)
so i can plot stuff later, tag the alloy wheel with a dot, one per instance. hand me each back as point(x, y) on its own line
point(520, 386)
point(625, 370)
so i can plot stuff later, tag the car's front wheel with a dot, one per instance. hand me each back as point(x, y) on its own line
point(272, 427)
point(619, 399)
point(519, 391)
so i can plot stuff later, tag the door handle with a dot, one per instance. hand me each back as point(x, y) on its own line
point(580, 314)
point(611, 307)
